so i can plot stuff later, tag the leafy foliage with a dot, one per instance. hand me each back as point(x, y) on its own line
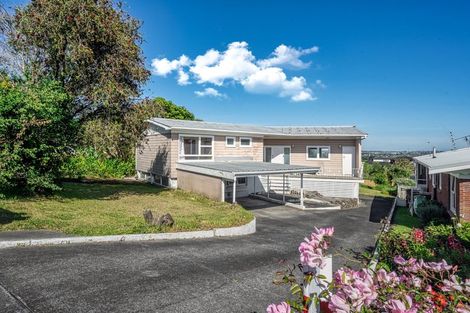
point(118, 139)
point(88, 163)
point(90, 46)
point(463, 232)
point(388, 174)
point(431, 212)
point(36, 130)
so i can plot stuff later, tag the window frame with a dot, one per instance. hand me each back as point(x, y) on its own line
point(198, 157)
point(318, 158)
point(234, 141)
point(439, 181)
point(244, 146)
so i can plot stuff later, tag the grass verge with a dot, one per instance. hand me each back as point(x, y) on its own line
point(365, 190)
point(403, 221)
point(109, 209)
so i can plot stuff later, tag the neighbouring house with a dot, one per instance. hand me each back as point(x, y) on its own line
point(226, 161)
point(445, 177)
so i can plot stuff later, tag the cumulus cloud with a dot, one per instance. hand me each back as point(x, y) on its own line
point(237, 64)
point(286, 56)
point(210, 92)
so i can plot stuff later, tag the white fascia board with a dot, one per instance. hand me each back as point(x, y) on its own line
point(448, 169)
point(158, 124)
point(205, 171)
point(307, 171)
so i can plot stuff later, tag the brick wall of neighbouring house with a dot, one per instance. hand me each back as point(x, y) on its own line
point(463, 199)
point(442, 194)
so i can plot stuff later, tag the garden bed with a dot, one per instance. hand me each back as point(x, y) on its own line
point(111, 209)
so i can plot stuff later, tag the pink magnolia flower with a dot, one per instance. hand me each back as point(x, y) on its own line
point(451, 285)
point(397, 306)
point(282, 307)
point(438, 266)
point(312, 250)
point(338, 304)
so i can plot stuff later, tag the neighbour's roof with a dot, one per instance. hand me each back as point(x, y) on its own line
point(262, 130)
point(448, 161)
point(231, 169)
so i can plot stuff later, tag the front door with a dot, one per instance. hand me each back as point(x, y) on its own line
point(349, 160)
point(277, 154)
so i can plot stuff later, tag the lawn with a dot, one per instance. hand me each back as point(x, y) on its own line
point(403, 221)
point(365, 190)
point(106, 209)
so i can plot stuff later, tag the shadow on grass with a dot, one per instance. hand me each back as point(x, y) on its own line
point(380, 208)
point(7, 216)
point(103, 191)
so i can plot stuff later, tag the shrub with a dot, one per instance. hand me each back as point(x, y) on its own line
point(88, 163)
point(463, 232)
point(36, 131)
point(430, 212)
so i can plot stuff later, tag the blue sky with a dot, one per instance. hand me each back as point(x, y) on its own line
point(399, 70)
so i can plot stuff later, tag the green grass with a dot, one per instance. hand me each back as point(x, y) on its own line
point(403, 221)
point(365, 190)
point(105, 209)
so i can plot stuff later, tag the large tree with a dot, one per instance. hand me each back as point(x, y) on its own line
point(90, 46)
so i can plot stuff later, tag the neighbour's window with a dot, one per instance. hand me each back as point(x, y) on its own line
point(439, 181)
point(245, 142)
point(195, 148)
point(318, 153)
point(230, 141)
point(241, 181)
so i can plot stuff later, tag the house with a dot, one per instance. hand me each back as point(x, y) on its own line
point(445, 176)
point(226, 161)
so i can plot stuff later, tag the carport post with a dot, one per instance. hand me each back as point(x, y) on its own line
point(268, 187)
point(234, 196)
point(283, 187)
point(301, 189)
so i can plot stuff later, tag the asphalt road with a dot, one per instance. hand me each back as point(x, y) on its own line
point(207, 275)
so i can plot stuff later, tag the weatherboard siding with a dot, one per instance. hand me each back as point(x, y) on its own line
point(299, 151)
point(153, 155)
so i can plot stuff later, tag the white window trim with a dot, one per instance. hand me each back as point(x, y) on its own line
point(433, 178)
point(453, 194)
point(273, 146)
point(182, 156)
point(440, 182)
point(243, 146)
point(318, 155)
point(234, 142)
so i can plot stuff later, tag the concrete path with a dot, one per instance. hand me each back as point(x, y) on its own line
point(206, 275)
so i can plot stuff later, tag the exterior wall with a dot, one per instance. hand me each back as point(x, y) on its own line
point(299, 151)
point(463, 199)
point(153, 154)
point(254, 153)
point(202, 184)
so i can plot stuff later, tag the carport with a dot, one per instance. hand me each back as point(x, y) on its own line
point(207, 177)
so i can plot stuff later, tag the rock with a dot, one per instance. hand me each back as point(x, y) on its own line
point(165, 220)
point(148, 217)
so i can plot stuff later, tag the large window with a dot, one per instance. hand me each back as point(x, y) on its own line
point(318, 153)
point(196, 148)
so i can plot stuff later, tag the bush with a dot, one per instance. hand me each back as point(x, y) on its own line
point(36, 131)
point(430, 212)
point(463, 232)
point(88, 163)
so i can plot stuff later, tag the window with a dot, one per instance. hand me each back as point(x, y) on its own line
point(195, 148)
point(318, 153)
point(453, 194)
point(241, 181)
point(286, 155)
point(230, 141)
point(439, 181)
point(245, 142)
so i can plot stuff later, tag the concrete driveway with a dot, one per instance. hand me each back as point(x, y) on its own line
point(207, 275)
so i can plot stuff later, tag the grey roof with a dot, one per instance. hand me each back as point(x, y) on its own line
point(448, 161)
point(262, 130)
point(240, 168)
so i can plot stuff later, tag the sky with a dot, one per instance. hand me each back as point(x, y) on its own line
point(398, 70)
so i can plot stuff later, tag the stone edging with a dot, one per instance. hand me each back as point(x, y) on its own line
point(246, 229)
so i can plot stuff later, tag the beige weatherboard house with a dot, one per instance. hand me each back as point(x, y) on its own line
point(226, 161)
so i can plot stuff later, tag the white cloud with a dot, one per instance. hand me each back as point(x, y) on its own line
point(320, 84)
point(210, 92)
point(288, 56)
point(237, 64)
